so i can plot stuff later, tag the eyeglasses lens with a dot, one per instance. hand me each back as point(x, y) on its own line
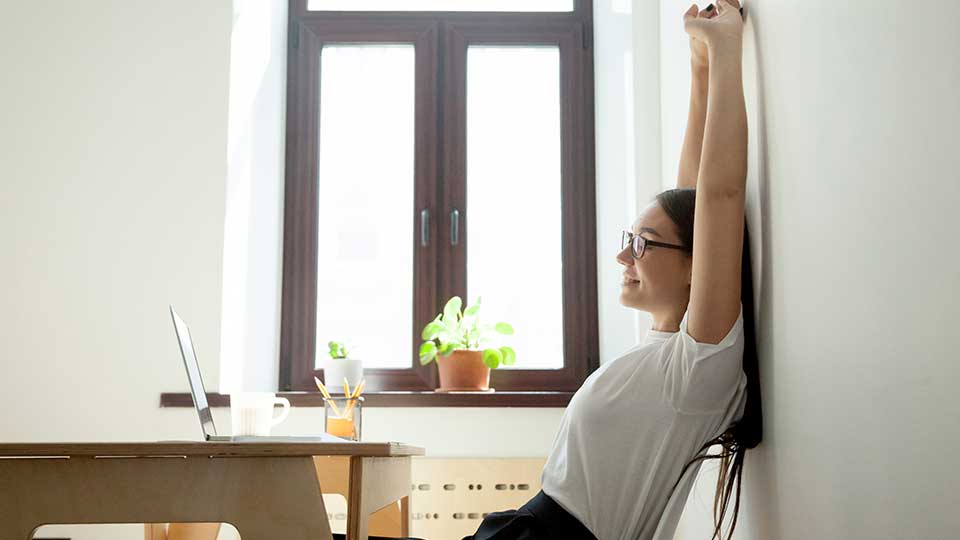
point(637, 246)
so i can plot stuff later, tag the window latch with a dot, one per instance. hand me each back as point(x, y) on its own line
point(424, 227)
point(454, 227)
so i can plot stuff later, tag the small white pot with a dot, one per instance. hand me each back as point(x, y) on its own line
point(334, 370)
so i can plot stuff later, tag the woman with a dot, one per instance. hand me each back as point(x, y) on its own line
point(619, 465)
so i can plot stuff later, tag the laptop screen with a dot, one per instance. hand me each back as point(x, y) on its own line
point(193, 373)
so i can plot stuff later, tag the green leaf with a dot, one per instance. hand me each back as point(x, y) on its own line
point(447, 349)
point(492, 358)
point(428, 351)
point(472, 310)
point(509, 356)
point(451, 311)
point(336, 350)
point(431, 330)
point(504, 328)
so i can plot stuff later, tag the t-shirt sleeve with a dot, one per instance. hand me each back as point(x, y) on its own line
point(703, 377)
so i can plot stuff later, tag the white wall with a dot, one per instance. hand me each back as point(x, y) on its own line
point(112, 153)
point(253, 222)
point(853, 115)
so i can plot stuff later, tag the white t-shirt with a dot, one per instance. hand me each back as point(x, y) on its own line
point(635, 423)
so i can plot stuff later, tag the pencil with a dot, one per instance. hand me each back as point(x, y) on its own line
point(323, 389)
point(326, 394)
point(350, 406)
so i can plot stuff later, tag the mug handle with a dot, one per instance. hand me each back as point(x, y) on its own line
point(283, 414)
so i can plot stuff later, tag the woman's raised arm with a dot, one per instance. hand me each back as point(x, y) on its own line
point(719, 215)
point(693, 136)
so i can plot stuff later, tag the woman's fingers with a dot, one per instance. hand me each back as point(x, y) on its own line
point(712, 10)
point(724, 21)
point(731, 5)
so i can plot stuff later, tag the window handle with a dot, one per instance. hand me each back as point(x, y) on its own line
point(424, 227)
point(454, 227)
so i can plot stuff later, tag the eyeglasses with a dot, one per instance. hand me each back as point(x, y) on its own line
point(639, 244)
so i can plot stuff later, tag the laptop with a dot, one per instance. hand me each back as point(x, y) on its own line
point(200, 396)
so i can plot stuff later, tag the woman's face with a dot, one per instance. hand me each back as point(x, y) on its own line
point(662, 274)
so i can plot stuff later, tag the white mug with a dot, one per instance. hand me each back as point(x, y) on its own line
point(251, 413)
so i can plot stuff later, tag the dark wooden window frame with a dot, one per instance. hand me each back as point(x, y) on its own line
point(441, 40)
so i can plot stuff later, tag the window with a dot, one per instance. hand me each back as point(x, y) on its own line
point(438, 5)
point(432, 154)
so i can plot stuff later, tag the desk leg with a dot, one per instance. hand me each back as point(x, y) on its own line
point(154, 531)
point(375, 482)
point(265, 498)
point(405, 516)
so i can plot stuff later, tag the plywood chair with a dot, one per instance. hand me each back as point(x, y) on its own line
point(452, 495)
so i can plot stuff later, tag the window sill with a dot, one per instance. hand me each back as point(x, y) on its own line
point(400, 399)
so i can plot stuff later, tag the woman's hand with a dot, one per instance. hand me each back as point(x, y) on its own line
point(698, 49)
point(718, 29)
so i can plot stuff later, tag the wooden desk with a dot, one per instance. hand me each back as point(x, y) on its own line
point(265, 490)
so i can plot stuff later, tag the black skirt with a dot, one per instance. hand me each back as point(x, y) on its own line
point(540, 518)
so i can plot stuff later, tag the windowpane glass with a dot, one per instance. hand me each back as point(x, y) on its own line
point(365, 192)
point(440, 5)
point(513, 198)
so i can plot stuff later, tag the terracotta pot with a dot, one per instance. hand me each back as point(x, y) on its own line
point(463, 370)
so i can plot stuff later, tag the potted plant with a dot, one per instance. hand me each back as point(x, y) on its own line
point(456, 341)
point(341, 366)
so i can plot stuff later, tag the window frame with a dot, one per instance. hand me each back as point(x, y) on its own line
point(441, 40)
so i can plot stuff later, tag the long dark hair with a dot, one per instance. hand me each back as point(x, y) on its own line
point(747, 433)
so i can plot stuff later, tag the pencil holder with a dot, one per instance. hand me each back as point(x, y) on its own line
point(343, 416)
